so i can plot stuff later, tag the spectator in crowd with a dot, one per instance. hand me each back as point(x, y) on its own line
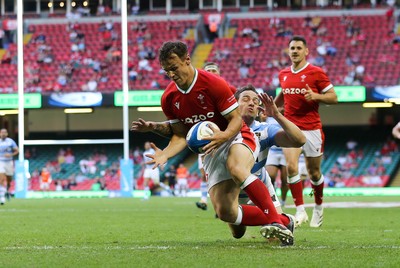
point(99, 184)
point(307, 21)
point(135, 9)
point(1, 38)
point(71, 182)
point(91, 85)
point(144, 65)
point(274, 22)
point(58, 185)
point(45, 180)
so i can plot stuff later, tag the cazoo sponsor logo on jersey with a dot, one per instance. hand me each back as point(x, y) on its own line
point(197, 118)
point(294, 90)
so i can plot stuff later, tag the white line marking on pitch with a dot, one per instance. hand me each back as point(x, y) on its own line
point(355, 205)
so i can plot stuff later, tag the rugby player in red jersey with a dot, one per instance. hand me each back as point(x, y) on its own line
point(304, 87)
point(196, 95)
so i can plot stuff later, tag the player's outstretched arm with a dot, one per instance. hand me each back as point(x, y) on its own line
point(160, 128)
point(175, 145)
point(290, 135)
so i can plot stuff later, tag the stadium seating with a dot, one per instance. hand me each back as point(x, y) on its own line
point(57, 38)
point(375, 54)
point(375, 28)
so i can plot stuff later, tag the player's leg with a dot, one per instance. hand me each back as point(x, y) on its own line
point(219, 169)
point(239, 230)
point(224, 197)
point(171, 184)
point(3, 187)
point(155, 177)
point(9, 180)
point(317, 184)
point(294, 183)
point(202, 204)
point(186, 186)
point(284, 184)
point(266, 179)
point(272, 167)
point(46, 188)
point(239, 162)
point(313, 151)
point(146, 188)
point(272, 171)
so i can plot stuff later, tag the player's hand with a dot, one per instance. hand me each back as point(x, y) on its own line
point(7, 155)
point(141, 126)
point(270, 108)
point(158, 158)
point(310, 95)
point(217, 139)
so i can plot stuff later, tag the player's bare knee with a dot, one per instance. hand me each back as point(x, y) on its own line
point(292, 170)
point(315, 175)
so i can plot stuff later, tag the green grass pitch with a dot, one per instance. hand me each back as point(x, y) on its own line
point(172, 232)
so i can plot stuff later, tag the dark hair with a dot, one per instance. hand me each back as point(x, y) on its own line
point(240, 90)
point(298, 38)
point(172, 47)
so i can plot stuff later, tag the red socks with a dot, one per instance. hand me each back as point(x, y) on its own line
point(318, 193)
point(297, 193)
point(253, 216)
point(258, 193)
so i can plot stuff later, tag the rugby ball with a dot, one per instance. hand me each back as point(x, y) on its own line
point(197, 133)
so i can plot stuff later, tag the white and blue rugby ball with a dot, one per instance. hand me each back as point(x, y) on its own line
point(197, 133)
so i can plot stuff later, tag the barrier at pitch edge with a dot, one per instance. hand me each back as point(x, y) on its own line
point(126, 179)
point(21, 180)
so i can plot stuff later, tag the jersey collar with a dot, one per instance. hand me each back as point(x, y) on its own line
point(191, 85)
point(298, 71)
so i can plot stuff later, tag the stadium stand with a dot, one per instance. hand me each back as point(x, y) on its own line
point(371, 47)
point(95, 60)
point(372, 54)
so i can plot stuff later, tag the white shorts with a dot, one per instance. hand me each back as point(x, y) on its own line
point(44, 185)
point(314, 146)
point(153, 174)
point(7, 167)
point(200, 160)
point(215, 164)
point(275, 158)
point(182, 182)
